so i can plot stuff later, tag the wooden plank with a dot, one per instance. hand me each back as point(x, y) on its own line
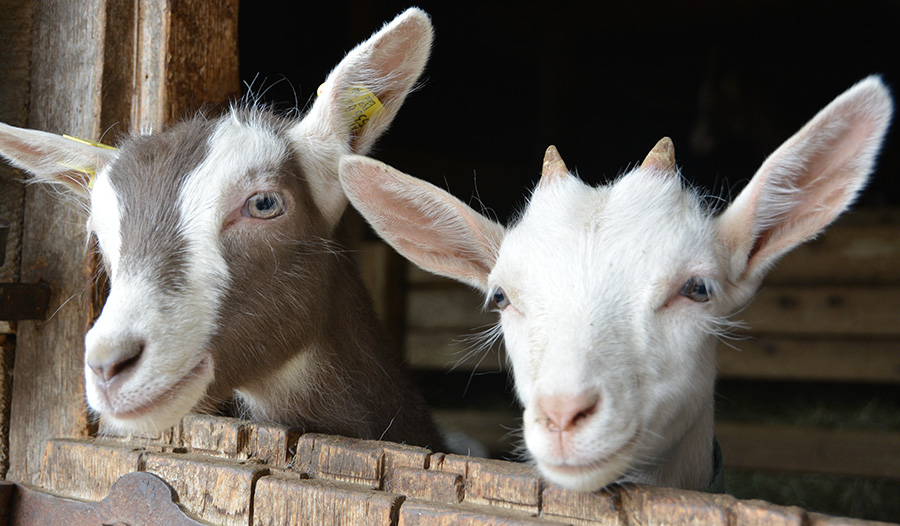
point(339, 458)
point(811, 450)
point(86, 469)
point(434, 486)
point(503, 485)
point(279, 501)
point(225, 437)
point(651, 505)
point(201, 56)
point(495, 483)
point(580, 507)
point(273, 445)
point(214, 490)
point(834, 311)
point(16, 18)
point(421, 513)
point(67, 52)
point(756, 513)
point(187, 58)
point(864, 252)
point(792, 359)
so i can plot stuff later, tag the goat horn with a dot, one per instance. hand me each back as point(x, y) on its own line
point(554, 167)
point(662, 156)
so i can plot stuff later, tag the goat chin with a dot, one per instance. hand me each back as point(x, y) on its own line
point(157, 412)
point(588, 477)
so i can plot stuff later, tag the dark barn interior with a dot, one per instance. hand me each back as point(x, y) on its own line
point(727, 81)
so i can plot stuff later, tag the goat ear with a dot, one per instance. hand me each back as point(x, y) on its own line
point(362, 95)
point(809, 180)
point(427, 225)
point(54, 158)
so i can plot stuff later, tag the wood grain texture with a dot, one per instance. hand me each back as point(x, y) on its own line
point(217, 491)
point(65, 98)
point(422, 513)
point(650, 505)
point(833, 311)
point(575, 506)
point(280, 501)
point(434, 486)
point(86, 469)
point(811, 359)
point(201, 55)
point(418, 488)
point(807, 449)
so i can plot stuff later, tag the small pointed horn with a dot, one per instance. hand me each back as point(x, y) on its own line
point(662, 156)
point(554, 167)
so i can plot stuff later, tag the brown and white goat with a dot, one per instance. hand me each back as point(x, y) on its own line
point(217, 235)
point(611, 298)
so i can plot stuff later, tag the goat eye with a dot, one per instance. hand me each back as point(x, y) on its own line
point(697, 289)
point(264, 205)
point(500, 299)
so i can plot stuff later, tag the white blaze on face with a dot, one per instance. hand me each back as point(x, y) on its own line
point(154, 330)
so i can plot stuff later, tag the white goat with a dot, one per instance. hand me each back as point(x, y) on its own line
point(611, 298)
point(217, 235)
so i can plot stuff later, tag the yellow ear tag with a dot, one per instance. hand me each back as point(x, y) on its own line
point(87, 170)
point(363, 105)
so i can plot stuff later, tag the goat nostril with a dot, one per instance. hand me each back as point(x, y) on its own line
point(115, 365)
point(565, 412)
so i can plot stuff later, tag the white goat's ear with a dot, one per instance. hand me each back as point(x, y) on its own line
point(427, 225)
point(53, 158)
point(361, 96)
point(808, 181)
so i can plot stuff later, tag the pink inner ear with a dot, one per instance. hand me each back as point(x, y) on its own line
point(813, 177)
point(428, 226)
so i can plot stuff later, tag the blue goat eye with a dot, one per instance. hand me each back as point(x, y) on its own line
point(697, 289)
point(500, 299)
point(264, 205)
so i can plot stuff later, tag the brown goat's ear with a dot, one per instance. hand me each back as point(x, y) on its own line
point(430, 227)
point(57, 159)
point(553, 168)
point(807, 182)
point(361, 97)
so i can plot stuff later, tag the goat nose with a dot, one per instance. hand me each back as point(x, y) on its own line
point(124, 357)
point(565, 412)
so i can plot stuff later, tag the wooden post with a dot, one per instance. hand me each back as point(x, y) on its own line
point(118, 63)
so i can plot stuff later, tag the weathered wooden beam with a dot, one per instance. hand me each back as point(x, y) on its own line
point(48, 387)
point(121, 64)
point(811, 359)
point(24, 301)
point(849, 452)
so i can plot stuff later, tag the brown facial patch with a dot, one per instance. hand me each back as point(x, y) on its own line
point(147, 178)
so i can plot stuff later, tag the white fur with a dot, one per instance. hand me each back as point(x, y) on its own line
point(171, 331)
point(614, 366)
